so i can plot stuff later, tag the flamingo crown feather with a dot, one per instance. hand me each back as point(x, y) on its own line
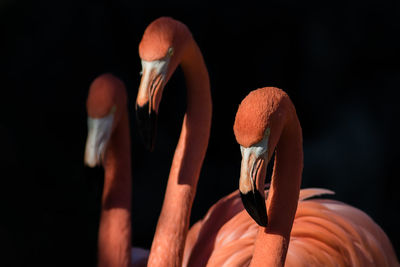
point(105, 92)
point(161, 38)
point(263, 108)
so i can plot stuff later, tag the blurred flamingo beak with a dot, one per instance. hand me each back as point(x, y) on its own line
point(99, 132)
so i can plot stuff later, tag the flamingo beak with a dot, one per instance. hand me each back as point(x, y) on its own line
point(99, 132)
point(252, 179)
point(253, 200)
point(147, 122)
point(149, 98)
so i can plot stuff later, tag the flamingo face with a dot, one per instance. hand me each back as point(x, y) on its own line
point(258, 126)
point(99, 132)
point(251, 187)
point(154, 77)
point(104, 105)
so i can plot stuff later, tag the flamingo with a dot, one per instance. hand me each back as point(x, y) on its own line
point(226, 235)
point(167, 43)
point(108, 144)
point(298, 231)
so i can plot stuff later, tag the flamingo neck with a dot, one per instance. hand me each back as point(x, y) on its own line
point(173, 223)
point(114, 242)
point(272, 241)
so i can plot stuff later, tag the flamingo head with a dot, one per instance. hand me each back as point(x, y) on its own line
point(107, 97)
point(258, 126)
point(163, 43)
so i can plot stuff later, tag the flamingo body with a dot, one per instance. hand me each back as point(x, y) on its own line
point(325, 233)
point(108, 144)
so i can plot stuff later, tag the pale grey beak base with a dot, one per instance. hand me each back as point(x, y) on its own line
point(99, 132)
point(154, 74)
point(251, 157)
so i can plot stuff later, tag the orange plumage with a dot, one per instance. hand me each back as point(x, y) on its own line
point(325, 233)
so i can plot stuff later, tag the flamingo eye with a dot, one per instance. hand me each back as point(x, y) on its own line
point(170, 51)
point(267, 132)
point(113, 109)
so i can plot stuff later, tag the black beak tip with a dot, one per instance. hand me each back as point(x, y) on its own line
point(254, 204)
point(149, 145)
point(147, 122)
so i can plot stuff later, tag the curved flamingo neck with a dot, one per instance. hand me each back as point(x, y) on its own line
point(272, 241)
point(173, 223)
point(114, 243)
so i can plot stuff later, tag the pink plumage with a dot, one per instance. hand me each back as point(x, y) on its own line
point(325, 233)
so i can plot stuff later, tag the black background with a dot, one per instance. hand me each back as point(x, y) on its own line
point(339, 64)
